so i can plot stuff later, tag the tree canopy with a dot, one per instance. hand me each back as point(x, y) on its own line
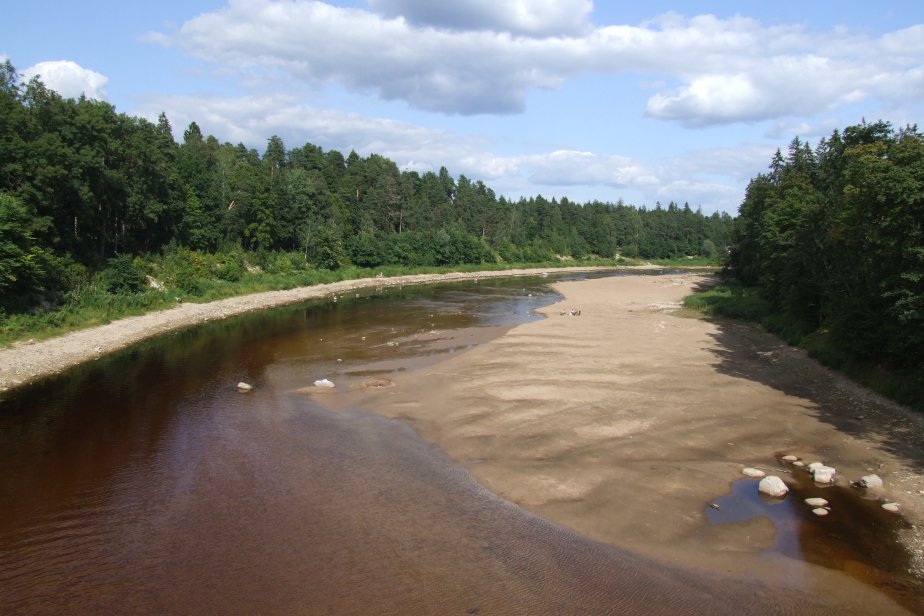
point(834, 238)
point(82, 184)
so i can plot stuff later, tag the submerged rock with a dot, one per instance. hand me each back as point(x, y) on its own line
point(772, 486)
point(753, 472)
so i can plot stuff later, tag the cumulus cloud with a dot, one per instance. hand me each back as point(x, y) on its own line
point(480, 56)
point(530, 17)
point(69, 79)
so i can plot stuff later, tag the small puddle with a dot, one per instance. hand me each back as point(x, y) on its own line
point(857, 536)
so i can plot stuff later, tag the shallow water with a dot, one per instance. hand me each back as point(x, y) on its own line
point(146, 483)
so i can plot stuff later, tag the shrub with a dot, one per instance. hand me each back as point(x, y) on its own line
point(121, 276)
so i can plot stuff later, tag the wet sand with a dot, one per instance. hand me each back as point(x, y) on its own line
point(626, 422)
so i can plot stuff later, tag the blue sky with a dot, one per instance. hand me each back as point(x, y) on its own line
point(657, 101)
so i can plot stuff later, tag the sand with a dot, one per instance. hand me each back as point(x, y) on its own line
point(625, 422)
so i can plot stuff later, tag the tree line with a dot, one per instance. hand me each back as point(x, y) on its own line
point(84, 189)
point(834, 239)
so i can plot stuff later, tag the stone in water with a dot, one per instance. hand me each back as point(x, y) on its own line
point(772, 486)
point(323, 383)
point(753, 472)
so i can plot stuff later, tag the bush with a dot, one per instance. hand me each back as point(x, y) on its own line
point(121, 276)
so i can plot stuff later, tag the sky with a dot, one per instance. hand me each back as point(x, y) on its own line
point(645, 102)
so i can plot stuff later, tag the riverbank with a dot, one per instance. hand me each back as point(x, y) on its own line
point(28, 361)
point(625, 423)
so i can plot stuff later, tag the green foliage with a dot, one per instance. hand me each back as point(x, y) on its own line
point(22, 261)
point(834, 239)
point(121, 276)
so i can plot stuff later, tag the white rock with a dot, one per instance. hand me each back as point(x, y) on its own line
point(816, 502)
point(798, 463)
point(820, 511)
point(789, 458)
point(870, 482)
point(324, 383)
point(893, 507)
point(772, 486)
point(823, 474)
point(754, 473)
point(244, 386)
point(815, 465)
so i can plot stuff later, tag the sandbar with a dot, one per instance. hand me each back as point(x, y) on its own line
point(626, 421)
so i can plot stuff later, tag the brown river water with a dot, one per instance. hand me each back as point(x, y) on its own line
point(146, 483)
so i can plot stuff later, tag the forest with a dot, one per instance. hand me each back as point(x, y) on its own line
point(832, 239)
point(92, 200)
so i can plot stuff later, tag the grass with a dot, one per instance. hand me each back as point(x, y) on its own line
point(89, 306)
point(730, 299)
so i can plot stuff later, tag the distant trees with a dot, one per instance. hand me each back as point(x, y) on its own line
point(834, 238)
point(82, 185)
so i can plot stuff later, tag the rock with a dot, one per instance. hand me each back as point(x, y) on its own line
point(789, 458)
point(893, 507)
point(820, 511)
point(815, 465)
point(324, 383)
point(823, 474)
point(772, 486)
point(242, 386)
point(870, 482)
point(798, 463)
point(816, 502)
point(753, 472)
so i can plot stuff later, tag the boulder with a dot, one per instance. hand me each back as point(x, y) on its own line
point(820, 511)
point(754, 473)
point(815, 465)
point(823, 474)
point(893, 507)
point(870, 482)
point(816, 502)
point(789, 458)
point(772, 486)
point(242, 386)
point(324, 383)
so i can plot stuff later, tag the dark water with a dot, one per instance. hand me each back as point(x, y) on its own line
point(146, 483)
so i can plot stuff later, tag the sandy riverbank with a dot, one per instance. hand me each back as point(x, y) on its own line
point(25, 362)
point(625, 422)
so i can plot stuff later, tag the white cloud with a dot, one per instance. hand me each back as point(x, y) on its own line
point(530, 17)
point(721, 70)
point(569, 168)
point(69, 79)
